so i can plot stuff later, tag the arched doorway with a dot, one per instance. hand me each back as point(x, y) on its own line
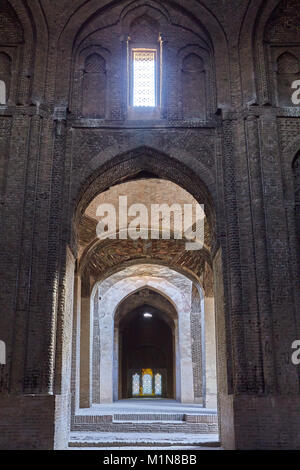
point(146, 355)
point(106, 379)
point(128, 289)
point(147, 350)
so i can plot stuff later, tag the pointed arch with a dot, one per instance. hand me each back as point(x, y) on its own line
point(83, 22)
point(194, 93)
point(94, 86)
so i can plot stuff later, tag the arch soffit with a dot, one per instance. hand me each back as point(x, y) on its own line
point(126, 287)
point(111, 167)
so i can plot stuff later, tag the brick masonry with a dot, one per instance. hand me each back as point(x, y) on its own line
point(233, 148)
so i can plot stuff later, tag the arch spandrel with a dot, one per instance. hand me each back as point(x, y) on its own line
point(82, 22)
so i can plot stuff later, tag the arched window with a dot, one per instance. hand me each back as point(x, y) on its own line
point(135, 385)
point(2, 92)
point(94, 87)
point(147, 375)
point(144, 63)
point(193, 87)
point(158, 385)
point(2, 353)
point(146, 383)
point(288, 71)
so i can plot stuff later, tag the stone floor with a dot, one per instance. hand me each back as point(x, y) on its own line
point(139, 440)
point(150, 424)
point(145, 405)
point(181, 448)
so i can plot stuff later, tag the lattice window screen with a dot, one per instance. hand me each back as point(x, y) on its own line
point(147, 384)
point(158, 384)
point(136, 384)
point(144, 78)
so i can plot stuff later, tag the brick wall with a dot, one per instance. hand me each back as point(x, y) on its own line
point(237, 161)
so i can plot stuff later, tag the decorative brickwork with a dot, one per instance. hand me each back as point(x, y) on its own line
point(224, 131)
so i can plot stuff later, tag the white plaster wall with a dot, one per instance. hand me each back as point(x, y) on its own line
point(177, 289)
point(152, 270)
point(210, 353)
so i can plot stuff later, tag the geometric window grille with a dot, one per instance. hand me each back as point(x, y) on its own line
point(158, 384)
point(144, 78)
point(147, 384)
point(136, 384)
point(147, 388)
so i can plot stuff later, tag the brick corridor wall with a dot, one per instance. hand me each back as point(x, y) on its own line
point(197, 343)
point(237, 161)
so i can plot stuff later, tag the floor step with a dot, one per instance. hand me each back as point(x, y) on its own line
point(136, 439)
point(164, 417)
point(148, 417)
point(145, 422)
point(165, 428)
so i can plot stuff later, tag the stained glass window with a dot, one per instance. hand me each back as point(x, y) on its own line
point(147, 375)
point(146, 383)
point(135, 384)
point(158, 388)
point(144, 78)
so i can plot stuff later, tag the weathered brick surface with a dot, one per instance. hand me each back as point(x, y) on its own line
point(233, 148)
point(27, 422)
